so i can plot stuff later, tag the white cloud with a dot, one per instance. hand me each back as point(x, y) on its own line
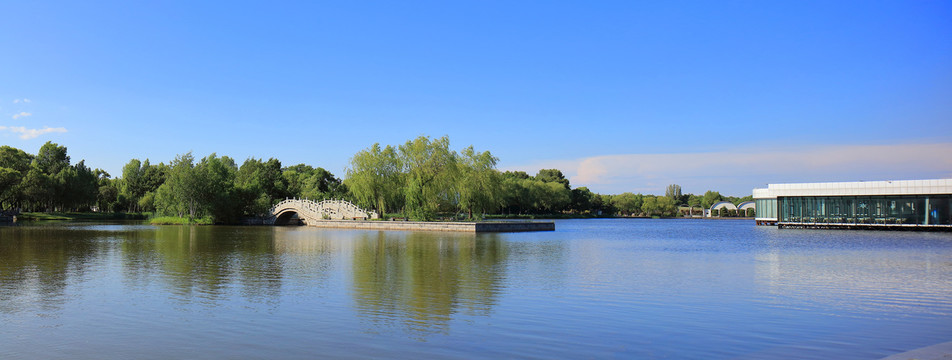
point(27, 134)
point(17, 101)
point(736, 172)
point(21, 114)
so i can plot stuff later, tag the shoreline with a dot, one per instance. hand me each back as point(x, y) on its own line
point(473, 227)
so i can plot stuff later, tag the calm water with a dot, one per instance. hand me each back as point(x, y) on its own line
point(592, 289)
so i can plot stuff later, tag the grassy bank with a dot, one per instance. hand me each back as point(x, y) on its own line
point(175, 220)
point(66, 216)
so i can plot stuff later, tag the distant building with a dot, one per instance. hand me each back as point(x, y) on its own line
point(902, 204)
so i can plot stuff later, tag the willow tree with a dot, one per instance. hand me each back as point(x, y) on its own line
point(431, 174)
point(375, 178)
point(479, 182)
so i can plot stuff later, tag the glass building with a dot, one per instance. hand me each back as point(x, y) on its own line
point(865, 204)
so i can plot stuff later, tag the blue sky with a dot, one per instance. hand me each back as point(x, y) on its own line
point(622, 96)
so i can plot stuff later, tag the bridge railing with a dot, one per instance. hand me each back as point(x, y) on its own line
point(318, 210)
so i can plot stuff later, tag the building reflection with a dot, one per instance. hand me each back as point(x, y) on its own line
point(419, 281)
point(857, 280)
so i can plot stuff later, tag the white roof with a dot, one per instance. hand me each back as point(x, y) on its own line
point(857, 188)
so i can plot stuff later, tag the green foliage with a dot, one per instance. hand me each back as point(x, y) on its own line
point(528, 195)
point(38, 188)
point(659, 206)
point(583, 200)
point(628, 204)
point(421, 179)
point(376, 180)
point(738, 200)
point(723, 212)
point(205, 189)
point(710, 198)
point(139, 179)
point(306, 182)
point(431, 173)
point(180, 192)
point(552, 175)
point(479, 182)
point(9, 181)
point(258, 185)
point(51, 158)
point(673, 191)
point(693, 200)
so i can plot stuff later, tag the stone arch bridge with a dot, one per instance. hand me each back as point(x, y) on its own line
point(310, 211)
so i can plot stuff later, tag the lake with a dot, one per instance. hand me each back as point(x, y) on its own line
point(600, 288)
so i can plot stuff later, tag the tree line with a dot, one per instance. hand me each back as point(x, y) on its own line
point(212, 187)
point(422, 179)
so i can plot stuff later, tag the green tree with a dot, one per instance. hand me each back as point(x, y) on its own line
point(628, 203)
point(515, 193)
point(583, 200)
point(667, 206)
point(673, 191)
point(77, 187)
point(554, 197)
point(375, 178)
point(180, 194)
point(479, 182)
point(9, 181)
point(738, 200)
point(431, 173)
point(605, 204)
point(216, 183)
point(37, 188)
point(138, 180)
point(308, 182)
point(14, 165)
point(51, 158)
point(131, 185)
point(649, 205)
point(553, 175)
point(710, 198)
point(259, 185)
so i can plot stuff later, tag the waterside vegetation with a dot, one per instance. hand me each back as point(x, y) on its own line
point(422, 179)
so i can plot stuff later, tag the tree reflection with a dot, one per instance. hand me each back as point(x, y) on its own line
point(37, 264)
point(206, 263)
point(420, 280)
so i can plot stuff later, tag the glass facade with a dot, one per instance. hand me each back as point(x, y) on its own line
point(765, 208)
point(862, 210)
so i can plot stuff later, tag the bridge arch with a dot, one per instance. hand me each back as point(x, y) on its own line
point(288, 217)
point(309, 211)
point(723, 204)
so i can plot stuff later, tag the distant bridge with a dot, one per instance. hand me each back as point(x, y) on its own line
point(310, 211)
